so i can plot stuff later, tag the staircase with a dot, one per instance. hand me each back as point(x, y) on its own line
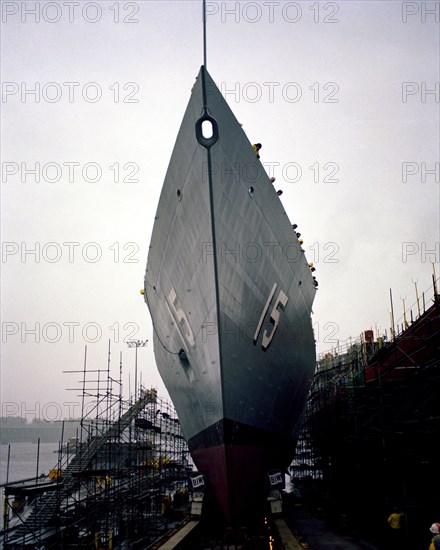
point(45, 509)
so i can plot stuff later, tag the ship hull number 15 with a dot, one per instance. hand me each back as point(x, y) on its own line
point(280, 304)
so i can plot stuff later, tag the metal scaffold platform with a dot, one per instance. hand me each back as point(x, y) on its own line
point(121, 483)
point(372, 416)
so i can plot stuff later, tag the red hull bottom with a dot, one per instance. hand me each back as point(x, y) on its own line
point(237, 476)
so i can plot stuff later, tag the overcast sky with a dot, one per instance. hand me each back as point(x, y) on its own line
point(344, 96)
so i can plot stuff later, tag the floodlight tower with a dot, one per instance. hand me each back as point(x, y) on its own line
point(136, 344)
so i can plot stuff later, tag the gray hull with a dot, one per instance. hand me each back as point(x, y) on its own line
point(230, 295)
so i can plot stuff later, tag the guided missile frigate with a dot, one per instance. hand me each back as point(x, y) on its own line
point(230, 294)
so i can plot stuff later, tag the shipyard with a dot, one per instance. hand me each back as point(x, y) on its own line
point(360, 421)
point(239, 347)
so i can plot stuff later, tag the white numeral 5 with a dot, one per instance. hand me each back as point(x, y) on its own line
point(274, 319)
point(281, 302)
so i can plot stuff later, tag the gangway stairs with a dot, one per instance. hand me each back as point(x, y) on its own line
point(38, 523)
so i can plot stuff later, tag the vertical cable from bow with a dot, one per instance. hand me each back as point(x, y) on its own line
point(204, 34)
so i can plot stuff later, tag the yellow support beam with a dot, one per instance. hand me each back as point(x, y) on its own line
point(180, 536)
point(287, 538)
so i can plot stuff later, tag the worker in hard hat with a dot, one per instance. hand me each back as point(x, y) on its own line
point(435, 542)
point(256, 147)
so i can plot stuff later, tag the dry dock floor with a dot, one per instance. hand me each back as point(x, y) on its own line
point(297, 529)
point(289, 541)
point(315, 534)
point(178, 538)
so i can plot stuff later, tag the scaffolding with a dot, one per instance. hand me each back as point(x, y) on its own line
point(371, 421)
point(121, 483)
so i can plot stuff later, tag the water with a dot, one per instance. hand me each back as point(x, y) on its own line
point(23, 460)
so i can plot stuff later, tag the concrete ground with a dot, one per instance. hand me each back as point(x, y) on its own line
point(314, 532)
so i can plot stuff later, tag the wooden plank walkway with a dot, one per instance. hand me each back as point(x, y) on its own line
point(286, 535)
point(180, 536)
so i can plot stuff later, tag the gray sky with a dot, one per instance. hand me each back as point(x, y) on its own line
point(339, 95)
